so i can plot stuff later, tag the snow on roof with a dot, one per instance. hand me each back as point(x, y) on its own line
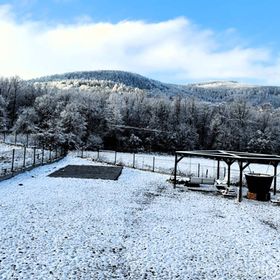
point(239, 156)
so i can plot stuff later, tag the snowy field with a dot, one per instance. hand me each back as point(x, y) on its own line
point(138, 227)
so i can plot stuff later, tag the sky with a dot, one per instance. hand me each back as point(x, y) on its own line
point(171, 41)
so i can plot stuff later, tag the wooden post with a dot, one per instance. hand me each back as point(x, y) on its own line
point(275, 178)
point(154, 161)
point(239, 198)
point(228, 181)
point(115, 158)
point(15, 138)
point(27, 139)
point(24, 156)
point(42, 155)
point(198, 170)
point(82, 153)
point(13, 159)
point(34, 156)
point(133, 161)
point(50, 154)
point(218, 170)
point(175, 171)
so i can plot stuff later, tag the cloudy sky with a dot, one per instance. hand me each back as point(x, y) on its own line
point(178, 41)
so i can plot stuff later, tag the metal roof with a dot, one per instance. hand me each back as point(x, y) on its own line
point(232, 155)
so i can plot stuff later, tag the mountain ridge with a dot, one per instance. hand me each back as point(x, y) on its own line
point(212, 91)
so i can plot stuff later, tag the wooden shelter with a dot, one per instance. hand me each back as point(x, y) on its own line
point(243, 159)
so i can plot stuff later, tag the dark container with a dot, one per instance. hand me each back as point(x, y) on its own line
point(260, 184)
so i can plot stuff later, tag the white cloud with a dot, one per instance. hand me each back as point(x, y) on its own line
point(171, 50)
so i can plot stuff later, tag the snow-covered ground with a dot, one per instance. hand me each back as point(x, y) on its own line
point(138, 227)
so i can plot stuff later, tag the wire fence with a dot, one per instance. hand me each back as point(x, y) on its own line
point(190, 167)
point(197, 167)
point(15, 159)
point(17, 139)
point(153, 162)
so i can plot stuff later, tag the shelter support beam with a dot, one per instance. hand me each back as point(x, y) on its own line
point(175, 171)
point(229, 162)
point(177, 160)
point(239, 197)
point(218, 170)
point(241, 168)
point(228, 179)
point(275, 178)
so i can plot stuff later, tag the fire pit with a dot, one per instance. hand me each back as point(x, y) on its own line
point(258, 186)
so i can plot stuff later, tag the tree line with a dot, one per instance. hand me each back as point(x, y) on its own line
point(135, 121)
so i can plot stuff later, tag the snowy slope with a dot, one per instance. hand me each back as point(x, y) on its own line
point(223, 84)
point(138, 227)
point(126, 78)
point(111, 81)
point(105, 80)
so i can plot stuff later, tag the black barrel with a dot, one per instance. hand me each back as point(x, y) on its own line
point(259, 184)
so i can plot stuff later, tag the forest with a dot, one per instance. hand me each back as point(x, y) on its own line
point(132, 120)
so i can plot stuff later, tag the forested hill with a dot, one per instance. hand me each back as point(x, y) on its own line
point(122, 77)
point(95, 112)
point(104, 79)
point(126, 81)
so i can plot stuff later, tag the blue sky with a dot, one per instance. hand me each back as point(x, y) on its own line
point(237, 40)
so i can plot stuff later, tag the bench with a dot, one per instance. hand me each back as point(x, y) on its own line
point(200, 180)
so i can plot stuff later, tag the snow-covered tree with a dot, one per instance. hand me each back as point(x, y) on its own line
point(26, 122)
point(2, 113)
point(134, 143)
point(71, 126)
point(94, 142)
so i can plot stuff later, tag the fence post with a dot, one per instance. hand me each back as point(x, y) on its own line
point(27, 139)
point(115, 158)
point(15, 138)
point(206, 173)
point(24, 156)
point(50, 154)
point(4, 137)
point(43, 155)
point(154, 161)
point(98, 154)
point(225, 170)
point(133, 164)
point(13, 159)
point(198, 170)
point(82, 153)
point(34, 156)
